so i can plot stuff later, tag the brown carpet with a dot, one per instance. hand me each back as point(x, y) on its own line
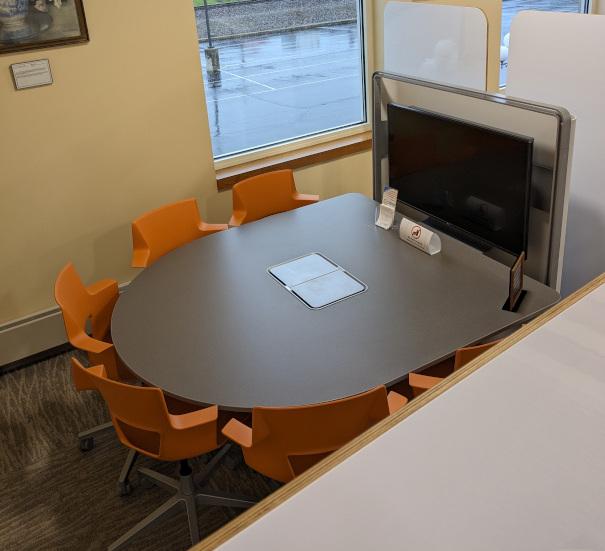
point(52, 496)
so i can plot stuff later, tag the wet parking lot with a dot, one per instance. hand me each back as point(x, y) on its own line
point(274, 87)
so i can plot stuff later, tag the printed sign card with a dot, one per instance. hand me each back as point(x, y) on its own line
point(31, 74)
point(420, 237)
point(386, 213)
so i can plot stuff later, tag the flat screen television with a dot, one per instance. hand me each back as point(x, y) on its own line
point(465, 176)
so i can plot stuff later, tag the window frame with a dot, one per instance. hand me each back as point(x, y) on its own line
point(328, 137)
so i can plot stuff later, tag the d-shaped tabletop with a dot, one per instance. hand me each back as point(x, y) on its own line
point(208, 322)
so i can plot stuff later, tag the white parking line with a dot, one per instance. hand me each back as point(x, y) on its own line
point(248, 79)
point(285, 88)
point(299, 67)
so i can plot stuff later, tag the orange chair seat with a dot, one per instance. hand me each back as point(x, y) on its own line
point(420, 383)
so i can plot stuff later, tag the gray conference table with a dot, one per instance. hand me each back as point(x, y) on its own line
point(207, 323)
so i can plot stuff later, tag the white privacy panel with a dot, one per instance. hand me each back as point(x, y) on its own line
point(560, 58)
point(446, 44)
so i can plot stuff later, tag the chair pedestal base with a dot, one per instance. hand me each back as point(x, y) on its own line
point(186, 494)
point(123, 482)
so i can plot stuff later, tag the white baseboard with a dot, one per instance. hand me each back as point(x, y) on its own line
point(33, 334)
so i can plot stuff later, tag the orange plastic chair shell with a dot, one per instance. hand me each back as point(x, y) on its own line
point(266, 194)
point(161, 230)
point(466, 355)
point(284, 442)
point(95, 303)
point(143, 423)
point(421, 383)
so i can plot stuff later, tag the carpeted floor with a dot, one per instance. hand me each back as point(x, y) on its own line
point(52, 496)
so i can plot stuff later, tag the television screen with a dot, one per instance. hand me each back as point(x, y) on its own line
point(472, 177)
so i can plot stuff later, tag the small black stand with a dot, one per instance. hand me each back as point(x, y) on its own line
point(516, 306)
point(515, 285)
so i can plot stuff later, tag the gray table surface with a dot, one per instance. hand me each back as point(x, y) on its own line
point(207, 323)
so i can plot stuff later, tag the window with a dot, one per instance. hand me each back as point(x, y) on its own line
point(278, 70)
point(510, 8)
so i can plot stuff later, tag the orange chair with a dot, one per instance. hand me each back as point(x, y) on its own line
point(266, 194)
point(284, 442)
point(421, 383)
point(79, 304)
point(143, 423)
point(161, 230)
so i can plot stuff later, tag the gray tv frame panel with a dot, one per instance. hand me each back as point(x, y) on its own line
point(551, 127)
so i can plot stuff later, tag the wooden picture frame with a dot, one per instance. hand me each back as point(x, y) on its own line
point(35, 24)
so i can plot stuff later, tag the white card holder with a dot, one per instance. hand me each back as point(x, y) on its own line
point(387, 209)
point(420, 237)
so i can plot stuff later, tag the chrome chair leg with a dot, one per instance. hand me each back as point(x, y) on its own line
point(186, 494)
point(148, 521)
point(194, 528)
point(160, 479)
point(86, 438)
point(223, 499)
point(201, 478)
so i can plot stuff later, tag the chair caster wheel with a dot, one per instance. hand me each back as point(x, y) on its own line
point(124, 488)
point(87, 444)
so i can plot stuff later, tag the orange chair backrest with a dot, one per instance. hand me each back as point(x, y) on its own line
point(263, 195)
point(465, 355)
point(287, 441)
point(78, 306)
point(141, 418)
point(159, 231)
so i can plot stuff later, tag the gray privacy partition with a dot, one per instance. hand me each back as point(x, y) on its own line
point(550, 126)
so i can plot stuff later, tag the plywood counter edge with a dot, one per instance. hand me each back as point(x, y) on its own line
point(285, 492)
point(226, 178)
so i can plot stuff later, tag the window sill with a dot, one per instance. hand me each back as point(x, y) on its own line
point(300, 158)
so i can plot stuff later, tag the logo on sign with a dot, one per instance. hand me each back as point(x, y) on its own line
point(415, 232)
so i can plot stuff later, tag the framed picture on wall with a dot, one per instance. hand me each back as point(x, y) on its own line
point(34, 24)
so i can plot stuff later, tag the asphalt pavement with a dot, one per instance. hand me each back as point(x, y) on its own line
point(272, 88)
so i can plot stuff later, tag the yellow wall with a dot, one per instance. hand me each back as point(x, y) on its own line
point(123, 129)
